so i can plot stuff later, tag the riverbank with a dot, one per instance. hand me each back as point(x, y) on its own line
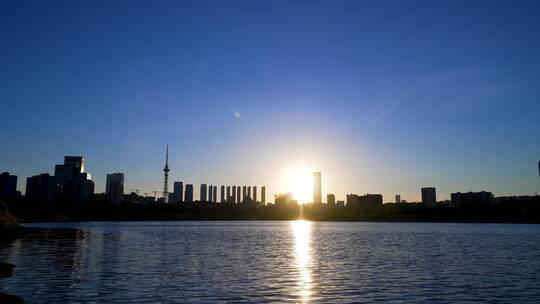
point(503, 213)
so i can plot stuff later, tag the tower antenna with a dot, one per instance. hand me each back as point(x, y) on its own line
point(166, 177)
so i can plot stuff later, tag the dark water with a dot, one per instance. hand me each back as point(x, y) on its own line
point(208, 262)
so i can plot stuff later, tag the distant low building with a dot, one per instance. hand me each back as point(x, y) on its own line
point(340, 204)
point(355, 201)
point(282, 200)
point(330, 199)
point(471, 198)
point(41, 188)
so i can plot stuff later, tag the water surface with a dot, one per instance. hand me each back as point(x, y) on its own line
point(254, 262)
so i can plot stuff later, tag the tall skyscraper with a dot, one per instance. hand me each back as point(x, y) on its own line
point(214, 198)
point(263, 194)
point(114, 188)
point(72, 183)
point(317, 199)
point(210, 193)
point(203, 193)
point(429, 196)
point(255, 193)
point(244, 193)
point(178, 192)
point(330, 199)
point(238, 195)
point(222, 194)
point(189, 193)
point(233, 195)
point(228, 197)
point(8, 185)
point(398, 199)
point(248, 188)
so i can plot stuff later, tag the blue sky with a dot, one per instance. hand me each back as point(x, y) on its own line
point(382, 96)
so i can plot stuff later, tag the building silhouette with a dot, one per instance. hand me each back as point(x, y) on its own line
point(283, 199)
point(210, 192)
point(233, 198)
point(72, 183)
point(178, 192)
point(8, 186)
point(244, 193)
point(459, 199)
point(255, 193)
point(228, 197)
point(263, 194)
point(398, 199)
point(248, 188)
point(189, 193)
point(214, 198)
point(203, 193)
point(317, 199)
point(238, 195)
point(330, 199)
point(222, 194)
point(429, 196)
point(41, 188)
point(114, 187)
point(355, 201)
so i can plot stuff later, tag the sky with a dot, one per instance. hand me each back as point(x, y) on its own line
point(381, 97)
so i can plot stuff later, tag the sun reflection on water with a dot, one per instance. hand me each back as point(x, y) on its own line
point(302, 233)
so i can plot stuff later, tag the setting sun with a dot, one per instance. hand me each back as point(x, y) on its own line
point(299, 180)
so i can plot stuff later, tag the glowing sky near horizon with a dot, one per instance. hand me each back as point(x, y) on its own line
point(381, 97)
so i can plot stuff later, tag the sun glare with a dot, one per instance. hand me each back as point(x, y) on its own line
point(299, 181)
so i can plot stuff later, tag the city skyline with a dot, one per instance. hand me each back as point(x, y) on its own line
point(380, 98)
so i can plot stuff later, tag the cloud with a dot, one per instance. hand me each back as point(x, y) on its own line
point(237, 114)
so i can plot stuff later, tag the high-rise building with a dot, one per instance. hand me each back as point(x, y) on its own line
point(317, 199)
point(203, 193)
point(189, 193)
point(75, 161)
point(228, 197)
point(233, 195)
point(429, 196)
point(72, 183)
point(166, 176)
point(255, 193)
point(114, 187)
point(263, 194)
point(248, 193)
point(8, 186)
point(178, 192)
point(398, 199)
point(41, 188)
point(222, 194)
point(214, 198)
point(330, 199)
point(244, 193)
point(210, 193)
